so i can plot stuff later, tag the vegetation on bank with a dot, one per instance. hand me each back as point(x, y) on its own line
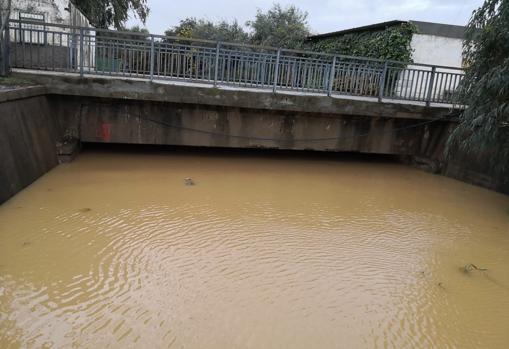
point(288, 27)
point(390, 43)
point(204, 29)
point(278, 27)
point(484, 124)
point(12, 81)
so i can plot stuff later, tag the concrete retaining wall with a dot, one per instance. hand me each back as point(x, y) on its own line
point(147, 122)
point(28, 136)
point(475, 169)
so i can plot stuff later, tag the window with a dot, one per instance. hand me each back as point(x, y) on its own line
point(29, 32)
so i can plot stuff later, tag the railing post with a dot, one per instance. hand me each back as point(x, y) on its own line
point(82, 57)
point(381, 87)
point(430, 87)
point(4, 48)
point(45, 34)
point(7, 38)
point(276, 70)
point(3, 63)
point(331, 76)
point(216, 63)
point(152, 57)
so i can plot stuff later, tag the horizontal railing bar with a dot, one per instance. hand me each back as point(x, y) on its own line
point(239, 44)
point(424, 65)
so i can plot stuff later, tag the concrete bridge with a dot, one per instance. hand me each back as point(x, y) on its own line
point(140, 112)
point(108, 87)
point(38, 122)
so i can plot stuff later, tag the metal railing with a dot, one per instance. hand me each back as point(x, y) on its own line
point(86, 50)
point(4, 42)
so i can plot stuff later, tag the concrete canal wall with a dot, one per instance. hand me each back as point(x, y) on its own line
point(29, 133)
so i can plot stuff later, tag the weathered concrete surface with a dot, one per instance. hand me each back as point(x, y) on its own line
point(116, 88)
point(68, 149)
point(147, 122)
point(16, 93)
point(141, 112)
point(475, 169)
point(28, 135)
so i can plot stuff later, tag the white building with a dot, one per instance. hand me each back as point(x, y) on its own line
point(56, 41)
point(49, 11)
point(433, 44)
point(438, 44)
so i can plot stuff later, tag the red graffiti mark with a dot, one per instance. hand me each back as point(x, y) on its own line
point(106, 131)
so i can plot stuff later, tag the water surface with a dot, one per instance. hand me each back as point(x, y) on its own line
point(114, 250)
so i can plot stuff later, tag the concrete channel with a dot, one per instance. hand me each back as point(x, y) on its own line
point(50, 119)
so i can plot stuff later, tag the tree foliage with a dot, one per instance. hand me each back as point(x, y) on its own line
point(484, 124)
point(112, 13)
point(204, 29)
point(137, 29)
point(280, 27)
point(391, 43)
point(287, 27)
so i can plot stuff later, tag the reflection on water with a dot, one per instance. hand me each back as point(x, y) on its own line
point(115, 250)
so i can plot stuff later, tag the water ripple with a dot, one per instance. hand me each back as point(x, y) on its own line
point(252, 261)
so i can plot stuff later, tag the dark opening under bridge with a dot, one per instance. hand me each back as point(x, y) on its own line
point(90, 51)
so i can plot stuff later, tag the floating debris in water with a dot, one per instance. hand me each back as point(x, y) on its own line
point(471, 267)
point(26, 243)
point(86, 209)
point(189, 181)
point(441, 285)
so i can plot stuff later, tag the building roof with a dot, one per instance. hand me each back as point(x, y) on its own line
point(439, 29)
point(427, 28)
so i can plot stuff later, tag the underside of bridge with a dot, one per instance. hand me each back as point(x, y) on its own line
point(38, 122)
point(139, 112)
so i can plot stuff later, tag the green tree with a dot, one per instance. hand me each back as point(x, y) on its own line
point(484, 124)
point(108, 13)
point(204, 29)
point(137, 29)
point(280, 27)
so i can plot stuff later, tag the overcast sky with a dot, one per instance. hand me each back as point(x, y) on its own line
point(323, 16)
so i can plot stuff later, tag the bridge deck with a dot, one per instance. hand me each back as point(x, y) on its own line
point(179, 92)
point(173, 82)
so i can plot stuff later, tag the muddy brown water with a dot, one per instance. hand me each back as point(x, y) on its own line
point(115, 250)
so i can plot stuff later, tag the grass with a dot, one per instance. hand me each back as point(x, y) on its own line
point(14, 81)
